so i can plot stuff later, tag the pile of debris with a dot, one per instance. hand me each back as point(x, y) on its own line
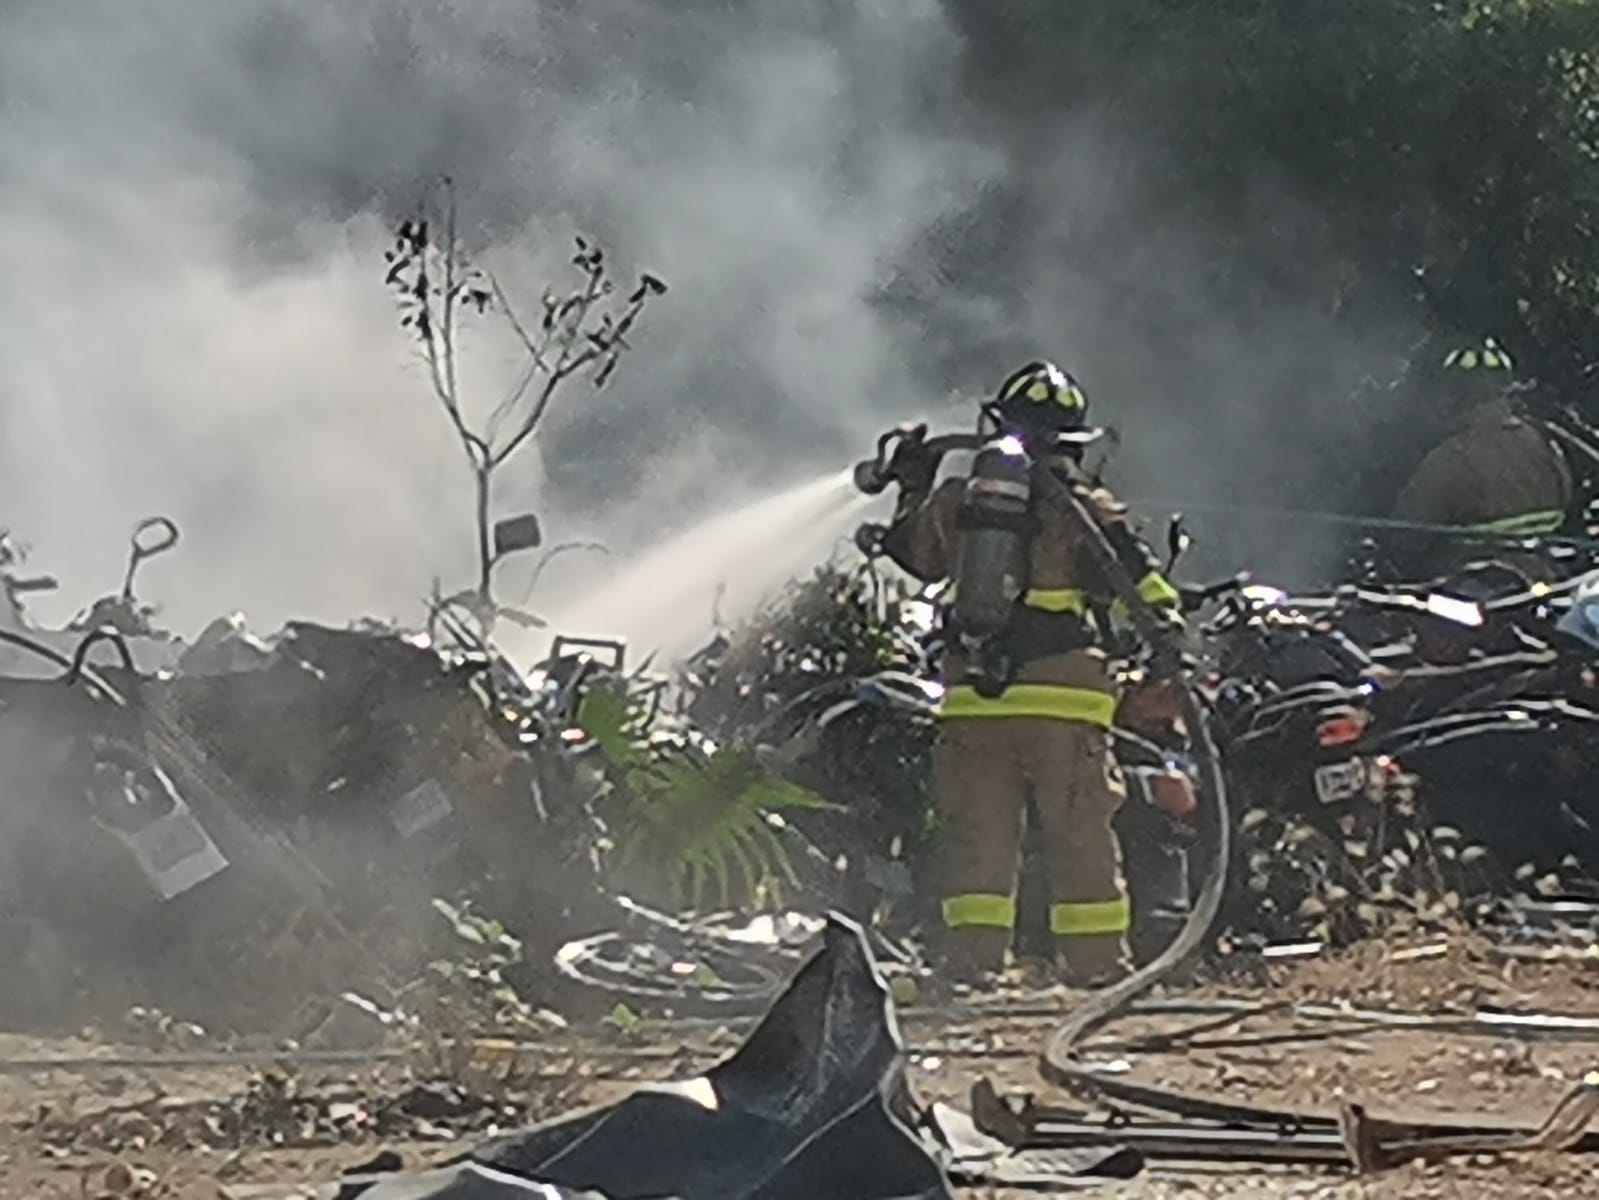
point(325, 795)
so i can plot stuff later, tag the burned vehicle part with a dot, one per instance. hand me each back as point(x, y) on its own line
point(119, 796)
point(149, 649)
point(404, 774)
point(122, 611)
point(1402, 749)
point(709, 963)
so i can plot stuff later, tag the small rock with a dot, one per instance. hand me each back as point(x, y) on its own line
point(429, 1131)
point(1427, 1085)
point(118, 1180)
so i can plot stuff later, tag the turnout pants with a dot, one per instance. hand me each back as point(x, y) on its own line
point(1050, 739)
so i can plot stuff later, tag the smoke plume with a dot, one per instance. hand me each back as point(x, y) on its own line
point(194, 322)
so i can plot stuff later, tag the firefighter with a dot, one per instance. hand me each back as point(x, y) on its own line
point(1042, 726)
point(1500, 473)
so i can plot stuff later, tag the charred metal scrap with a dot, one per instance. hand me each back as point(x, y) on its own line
point(312, 792)
point(1168, 1126)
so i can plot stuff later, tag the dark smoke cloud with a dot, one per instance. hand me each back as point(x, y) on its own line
point(192, 319)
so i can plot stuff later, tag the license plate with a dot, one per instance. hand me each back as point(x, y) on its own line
point(1340, 781)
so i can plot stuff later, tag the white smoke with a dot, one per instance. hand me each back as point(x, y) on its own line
point(193, 316)
point(193, 322)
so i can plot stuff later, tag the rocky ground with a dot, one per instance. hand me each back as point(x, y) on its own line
point(192, 1128)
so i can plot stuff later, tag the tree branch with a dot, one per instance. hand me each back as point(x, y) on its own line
point(566, 365)
point(536, 361)
point(449, 290)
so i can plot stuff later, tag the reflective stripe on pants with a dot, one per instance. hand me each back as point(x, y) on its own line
point(979, 910)
point(1099, 917)
point(1033, 700)
point(1057, 600)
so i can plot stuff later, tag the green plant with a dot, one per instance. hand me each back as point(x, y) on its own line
point(688, 809)
point(469, 993)
point(781, 671)
point(628, 1024)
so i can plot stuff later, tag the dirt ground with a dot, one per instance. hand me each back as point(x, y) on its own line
point(185, 1132)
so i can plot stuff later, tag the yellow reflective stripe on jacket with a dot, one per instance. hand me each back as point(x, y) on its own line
point(1032, 700)
point(1050, 600)
point(1542, 521)
point(979, 910)
point(1057, 600)
point(1103, 916)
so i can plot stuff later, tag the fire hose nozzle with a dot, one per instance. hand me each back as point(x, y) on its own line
point(870, 477)
point(869, 539)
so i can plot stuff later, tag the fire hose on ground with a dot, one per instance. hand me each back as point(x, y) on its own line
point(1058, 1064)
point(1354, 1136)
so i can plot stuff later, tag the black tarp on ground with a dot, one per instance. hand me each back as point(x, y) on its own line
point(814, 1103)
point(465, 1181)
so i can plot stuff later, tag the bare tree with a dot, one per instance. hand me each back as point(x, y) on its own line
point(580, 333)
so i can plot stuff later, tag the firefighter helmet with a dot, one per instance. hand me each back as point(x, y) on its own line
point(1043, 404)
point(1042, 394)
point(1489, 356)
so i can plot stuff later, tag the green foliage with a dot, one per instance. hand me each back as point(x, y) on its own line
point(1301, 208)
point(778, 672)
point(840, 623)
point(614, 723)
point(708, 813)
point(1453, 145)
point(627, 1023)
point(470, 991)
point(693, 811)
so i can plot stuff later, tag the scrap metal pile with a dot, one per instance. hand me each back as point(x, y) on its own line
point(240, 830)
point(266, 835)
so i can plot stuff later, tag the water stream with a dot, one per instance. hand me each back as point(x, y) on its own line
point(670, 598)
